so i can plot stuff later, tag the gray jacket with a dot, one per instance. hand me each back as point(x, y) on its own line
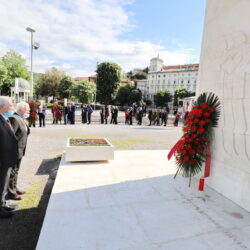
point(21, 131)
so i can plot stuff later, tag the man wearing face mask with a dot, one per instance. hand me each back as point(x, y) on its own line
point(8, 153)
point(21, 131)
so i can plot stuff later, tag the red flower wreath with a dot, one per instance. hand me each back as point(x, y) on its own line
point(190, 150)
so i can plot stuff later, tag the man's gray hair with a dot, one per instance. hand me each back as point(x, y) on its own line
point(21, 106)
point(4, 100)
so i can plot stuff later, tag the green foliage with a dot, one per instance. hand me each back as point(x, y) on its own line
point(162, 97)
point(108, 79)
point(64, 87)
point(48, 83)
point(146, 70)
point(137, 76)
point(140, 76)
point(3, 75)
point(181, 93)
point(83, 91)
point(135, 96)
point(128, 94)
point(12, 65)
point(148, 102)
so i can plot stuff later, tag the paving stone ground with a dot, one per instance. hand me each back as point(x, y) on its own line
point(39, 167)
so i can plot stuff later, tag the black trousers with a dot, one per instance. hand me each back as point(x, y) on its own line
point(41, 119)
point(102, 119)
point(89, 118)
point(4, 181)
point(12, 187)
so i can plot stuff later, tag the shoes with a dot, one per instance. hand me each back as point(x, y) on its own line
point(20, 192)
point(9, 208)
point(5, 214)
point(16, 197)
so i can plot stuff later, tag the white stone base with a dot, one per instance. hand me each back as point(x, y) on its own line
point(89, 153)
point(133, 203)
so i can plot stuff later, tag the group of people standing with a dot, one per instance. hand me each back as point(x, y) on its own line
point(86, 113)
point(158, 117)
point(69, 113)
point(104, 114)
point(14, 134)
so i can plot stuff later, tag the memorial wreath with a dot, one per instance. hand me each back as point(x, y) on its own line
point(193, 149)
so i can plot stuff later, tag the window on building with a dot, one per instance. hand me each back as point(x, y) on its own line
point(188, 81)
point(163, 81)
point(159, 75)
point(164, 75)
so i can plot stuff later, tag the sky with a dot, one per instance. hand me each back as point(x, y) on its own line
point(75, 35)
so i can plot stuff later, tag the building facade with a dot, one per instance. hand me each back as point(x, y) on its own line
point(162, 77)
point(20, 90)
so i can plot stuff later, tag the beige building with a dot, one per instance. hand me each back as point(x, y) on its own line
point(162, 77)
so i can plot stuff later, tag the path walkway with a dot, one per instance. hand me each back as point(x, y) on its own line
point(133, 203)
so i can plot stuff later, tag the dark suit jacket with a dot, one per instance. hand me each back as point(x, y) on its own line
point(8, 145)
point(21, 131)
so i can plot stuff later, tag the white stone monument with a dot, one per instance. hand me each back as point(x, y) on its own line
point(225, 70)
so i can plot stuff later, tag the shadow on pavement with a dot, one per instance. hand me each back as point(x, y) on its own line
point(22, 231)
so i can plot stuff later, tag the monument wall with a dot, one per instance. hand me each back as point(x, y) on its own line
point(225, 70)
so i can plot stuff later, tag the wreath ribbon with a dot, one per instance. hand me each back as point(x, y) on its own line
point(207, 163)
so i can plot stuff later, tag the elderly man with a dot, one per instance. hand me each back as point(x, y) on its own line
point(8, 152)
point(21, 131)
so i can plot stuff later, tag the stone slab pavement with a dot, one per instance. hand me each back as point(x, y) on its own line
point(133, 203)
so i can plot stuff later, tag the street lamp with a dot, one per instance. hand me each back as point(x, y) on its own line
point(34, 45)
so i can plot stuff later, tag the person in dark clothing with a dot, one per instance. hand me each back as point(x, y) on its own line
point(71, 114)
point(89, 111)
point(84, 114)
point(42, 114)
point(139, 115)
point(130, 116)
point(106, 114)
point(115, 115)
point(164, 117)
point(8, 153)
point(65, 114)
point(102, 112)
point(112, 114)
point(159, 121)
point(21, 131)
point(150, 117)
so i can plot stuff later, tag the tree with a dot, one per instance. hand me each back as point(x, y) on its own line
point(48, 84)
point(146, 70)
point(148, 102)
point(3, 77)
point(181, 93)
point(12, 66)
point(162, 97)
point(123, 93)
point(128, 94)
point(64, 87)
point(140, 76)
point(108, 79)
point(135, 96)
point(83, 91)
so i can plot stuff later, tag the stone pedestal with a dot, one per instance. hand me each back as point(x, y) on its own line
point(225, 70)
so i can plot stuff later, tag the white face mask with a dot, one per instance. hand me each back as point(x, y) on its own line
point(25, 116)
